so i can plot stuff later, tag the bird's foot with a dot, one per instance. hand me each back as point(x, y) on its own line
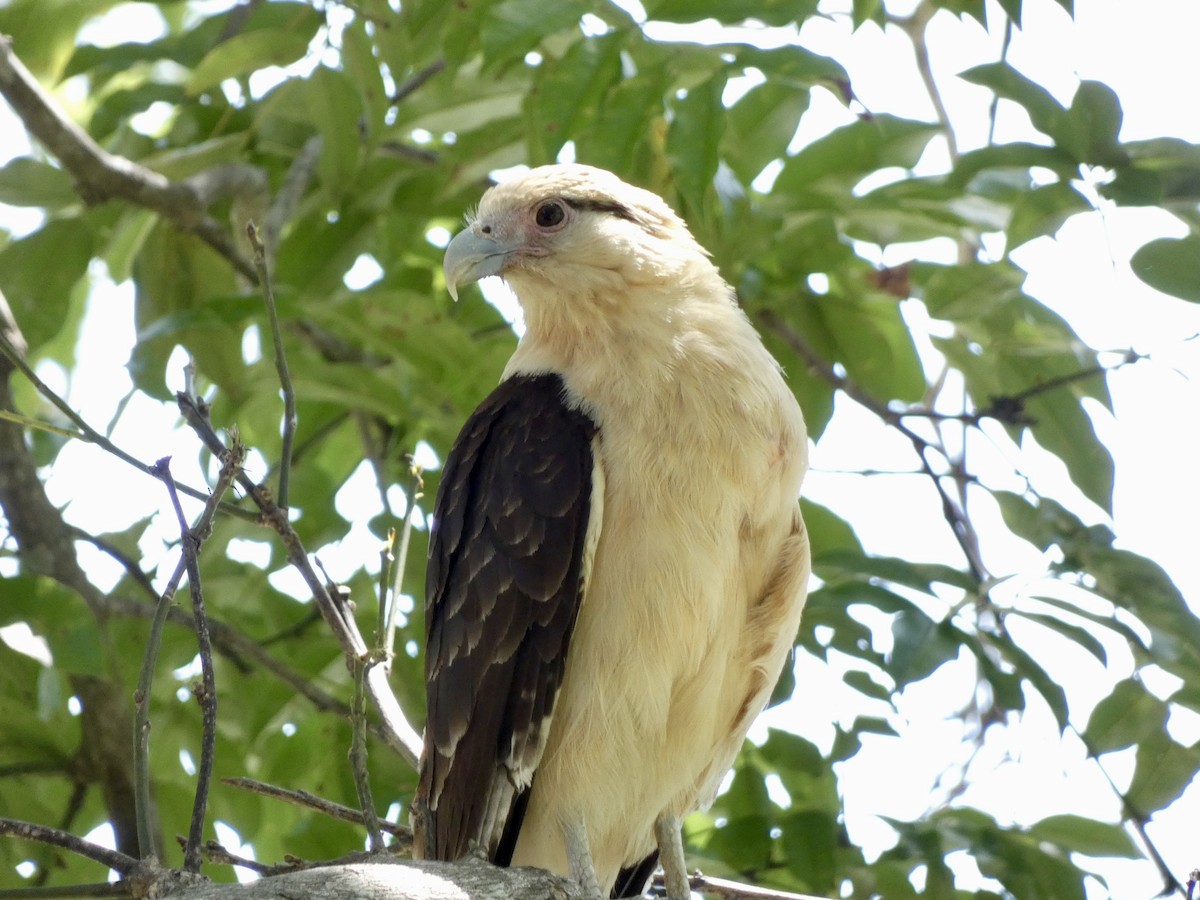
point(579, 861)
point(668, 832)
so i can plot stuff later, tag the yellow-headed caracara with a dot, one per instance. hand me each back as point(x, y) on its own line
point(617, 563)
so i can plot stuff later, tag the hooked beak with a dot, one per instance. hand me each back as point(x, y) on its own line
point(470, 257)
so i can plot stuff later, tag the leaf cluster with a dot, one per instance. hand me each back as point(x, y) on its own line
point(411, 112)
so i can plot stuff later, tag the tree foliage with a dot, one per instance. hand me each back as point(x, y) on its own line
point(355, 136)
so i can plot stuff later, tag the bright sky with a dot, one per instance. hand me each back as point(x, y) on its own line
point(1024, 774)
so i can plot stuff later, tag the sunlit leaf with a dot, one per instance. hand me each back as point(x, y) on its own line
point(1126, 717)
point(1171, 265)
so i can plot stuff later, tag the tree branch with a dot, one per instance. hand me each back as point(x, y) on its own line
point(960, 524)
point(101, 176)
point(43, 834)
point(396, 730)
point(305, 800)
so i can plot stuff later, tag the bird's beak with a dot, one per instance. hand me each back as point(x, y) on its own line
point(471, 256)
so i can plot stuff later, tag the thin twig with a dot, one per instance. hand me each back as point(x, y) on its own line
point(43, 834)
point(89, 434)
point(219, 854)
point(358, 755)
point(915, 26)
point(141, 717)
point(214, 852)
point(395, 729)
point(386, 560)
point(281, 366)
point(413, 493)
point(994, 109)
point(305, 800)
point(193, 537)
point(960, 524)
point(417, 80)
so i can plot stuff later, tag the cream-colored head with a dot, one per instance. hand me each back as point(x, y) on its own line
point(570, 233)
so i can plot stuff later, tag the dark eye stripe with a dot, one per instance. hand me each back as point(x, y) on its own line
point(602, 206)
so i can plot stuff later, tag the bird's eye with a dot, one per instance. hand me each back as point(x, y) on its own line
point(550, 214)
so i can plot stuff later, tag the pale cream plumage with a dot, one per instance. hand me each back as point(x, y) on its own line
point(701, 560)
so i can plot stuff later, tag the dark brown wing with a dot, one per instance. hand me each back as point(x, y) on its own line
point(502, 593)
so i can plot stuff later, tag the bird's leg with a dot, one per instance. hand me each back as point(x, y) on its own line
point(579, 860)
point(668, 831)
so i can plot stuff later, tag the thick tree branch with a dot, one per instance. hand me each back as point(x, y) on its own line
point(101, 176)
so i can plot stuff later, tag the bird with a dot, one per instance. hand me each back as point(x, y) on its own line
point(617, 563)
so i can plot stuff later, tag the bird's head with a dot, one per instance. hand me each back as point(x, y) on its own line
point(571, 232)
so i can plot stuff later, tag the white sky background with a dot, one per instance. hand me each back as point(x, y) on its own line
point(1146, 52)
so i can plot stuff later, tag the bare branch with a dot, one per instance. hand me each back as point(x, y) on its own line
point(281, 366)
point(115, 860)
point(304, 799)
point(14, 356)
point(412, 494)
point(358, 755)
point(206, 694)
point(418, 80)
point(960, 524)
point(396, 730)
point(915, 26)
point(141, 720)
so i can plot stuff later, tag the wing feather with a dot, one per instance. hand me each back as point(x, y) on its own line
point(507, 559)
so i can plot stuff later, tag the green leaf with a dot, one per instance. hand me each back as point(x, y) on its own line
point(1063, 428)
point(1171, 265)
point(732, 12)
point(58, 615)
point(1128, 716)
point(1047, 114)
point(967, 292)
point(761, 125)
point(245, 53)
point(568, 94)
point(30, 182)
point(920, 646)
point(810, 843)
point(43, 32)
point(875, 346)
point(336, 109)
point(1013, 9)
point(362, 68)
point(512, 28)
point(827, 532)
point(1042, 211)
point(853, 151)
point(1093, 124)
point(1028, 668)
point(39, 272)
point(1164, 769)
point(1087, 836)
point(693, 141)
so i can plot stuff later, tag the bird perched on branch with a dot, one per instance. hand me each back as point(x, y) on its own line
point(617, 561)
